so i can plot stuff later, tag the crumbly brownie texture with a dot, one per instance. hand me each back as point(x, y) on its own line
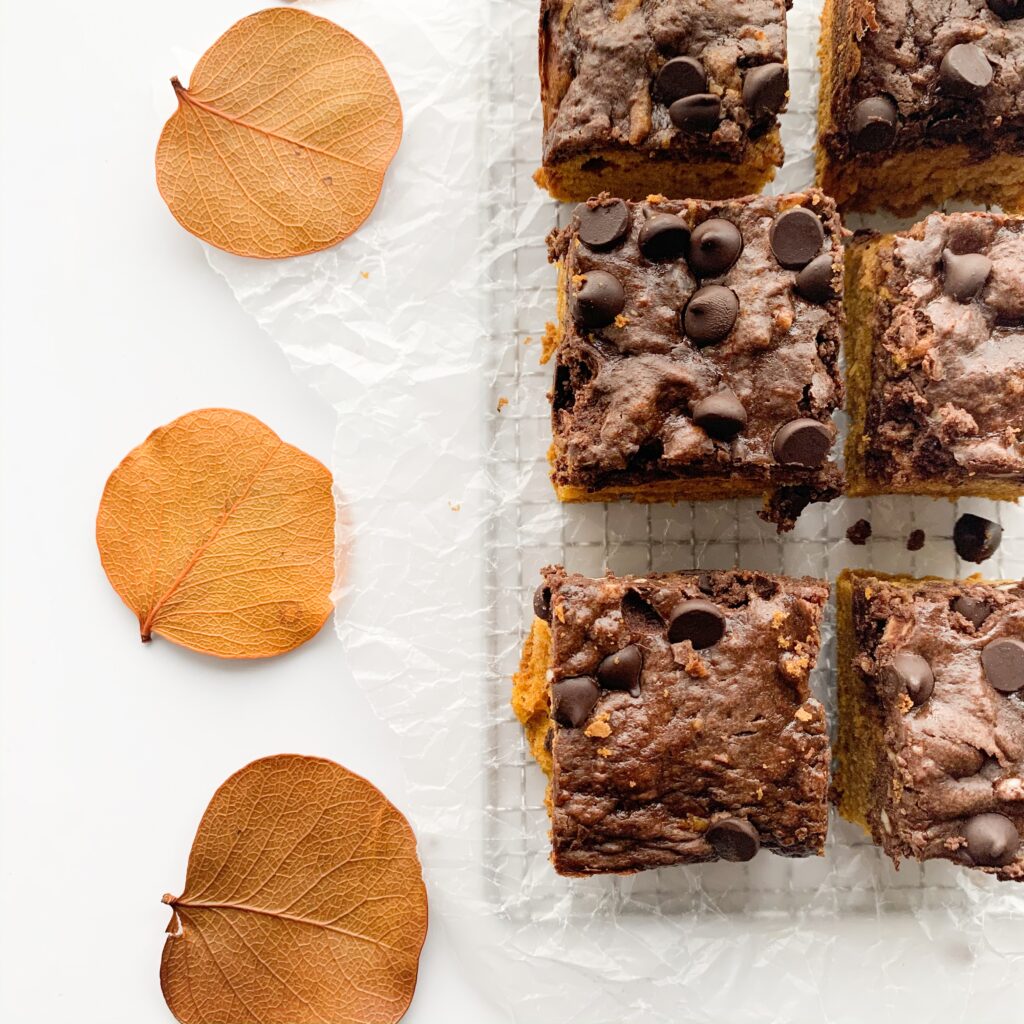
point(935, 358)
point(931, 718)
point(672, 96)
point(697, 347)
point(922, 101)
point(673, 715)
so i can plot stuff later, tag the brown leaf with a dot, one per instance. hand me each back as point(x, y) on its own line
point(220, 536)
point(280, 142)
point(304, 903)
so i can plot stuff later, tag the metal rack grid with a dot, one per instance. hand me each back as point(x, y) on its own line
point(529, 529)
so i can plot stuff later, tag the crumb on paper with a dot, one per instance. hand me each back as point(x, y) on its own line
point(528, 340)
point(859, 533)
point(502, 402)
point(364, 274)
point(455, 506)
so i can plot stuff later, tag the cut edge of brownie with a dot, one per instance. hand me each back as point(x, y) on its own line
point(865, 786)
point(531, 694)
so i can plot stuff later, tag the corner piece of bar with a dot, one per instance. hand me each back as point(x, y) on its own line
point(674, 717)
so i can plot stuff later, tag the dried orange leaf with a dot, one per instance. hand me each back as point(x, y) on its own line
point(220, 536)
point(280, 142)
point(304, 902)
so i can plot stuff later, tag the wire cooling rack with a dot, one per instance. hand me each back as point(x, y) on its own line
point(529, 529)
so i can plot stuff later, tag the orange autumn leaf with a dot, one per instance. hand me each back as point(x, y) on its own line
point(304, 902)
point(220, 537)
point(280, 143)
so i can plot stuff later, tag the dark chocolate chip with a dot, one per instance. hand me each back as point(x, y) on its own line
point(764, 89)
point(992, 840)
point(965, 275)
point(598, 300)
point(973, 610)
point(679, 77)
point(803, 442)
point(976, 538)
point(696, 620)
point(965, 70)
point(1003, 661)
point(714, 247)
point(663, 237)
point(573, 699)
point(796, 237)
point(542, 602)
point(720, 415)
point(734, 839)
point(914, 675)
point(1008, 10)
point(621, 670)
point(915, 540)
point(700, 112)
point(815, 282)
point(710, 314)
point(605, 226)
point(859, 533)
point(873, 124)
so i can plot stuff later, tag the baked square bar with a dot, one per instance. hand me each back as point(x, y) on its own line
point(922, 101)
point(697, 347)
point(672, 96)
point(673, 715)
point(931, 718)
point(935, 358)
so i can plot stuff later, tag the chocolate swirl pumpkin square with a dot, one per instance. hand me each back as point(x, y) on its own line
point(673, 715)
point(696, 351)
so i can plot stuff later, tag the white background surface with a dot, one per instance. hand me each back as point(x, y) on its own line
point(112, 323)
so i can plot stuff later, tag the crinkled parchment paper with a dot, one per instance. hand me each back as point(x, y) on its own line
point(415, 330)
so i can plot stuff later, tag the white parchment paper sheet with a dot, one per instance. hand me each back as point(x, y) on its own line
point(414, 329)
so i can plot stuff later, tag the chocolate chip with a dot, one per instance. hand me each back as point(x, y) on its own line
point(915, 540)
point(573, 699)
point(911, 673)
point(965, 70)
point(598, 300)
point(605, 226)
point(992, 840)
point(700, 112)
point(973, 610)
point(803, 442)
point(976, 538)
point(621, 670)
point(1008, 10)
point(679, 77)
point(542, 602)
point(796, 237)
point(1003, 662)
point(859, 533)
point(663, 237)
point(710, 314)
point(815, 282)
point(965, 275)
point(873, 124)
point(734, 839)
point(764, 89)
point(720, 415)
point(696, 620)
point(714, 247)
